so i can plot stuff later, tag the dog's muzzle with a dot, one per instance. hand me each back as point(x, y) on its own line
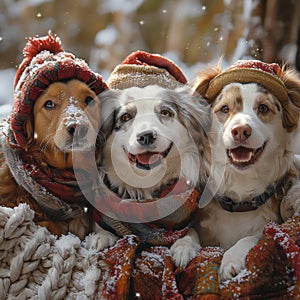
point(243, 157)
point(147, 137)
point(77, 130)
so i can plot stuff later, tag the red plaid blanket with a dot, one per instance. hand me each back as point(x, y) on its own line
point(272, 270)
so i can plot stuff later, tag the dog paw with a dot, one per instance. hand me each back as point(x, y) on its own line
point(234, 259)
point(231, 265)
point(100, 240)
point(184, 250)
point(290, 204)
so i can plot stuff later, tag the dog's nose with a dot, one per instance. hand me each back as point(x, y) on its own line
point(241, 132)
point(79, 130)
point(147, 137)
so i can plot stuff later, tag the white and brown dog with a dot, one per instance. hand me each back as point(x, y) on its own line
point(255, 115)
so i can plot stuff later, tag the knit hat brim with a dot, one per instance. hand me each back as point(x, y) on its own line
point(252, 71)
point(140, 69)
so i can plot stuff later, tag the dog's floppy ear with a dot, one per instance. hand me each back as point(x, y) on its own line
point(193, 113)
point(295, 145)
point(29, 128)
point(109, 102)
point(291, 114)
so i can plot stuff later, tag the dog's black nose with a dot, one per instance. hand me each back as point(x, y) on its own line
point(79, 130)
point(147, 137)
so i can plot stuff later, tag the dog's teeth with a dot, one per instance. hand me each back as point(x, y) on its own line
point(236, 156)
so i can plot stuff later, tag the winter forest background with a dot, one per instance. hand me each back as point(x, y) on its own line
point(193, 33)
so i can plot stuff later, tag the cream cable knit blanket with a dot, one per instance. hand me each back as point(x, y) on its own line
point(37, 265)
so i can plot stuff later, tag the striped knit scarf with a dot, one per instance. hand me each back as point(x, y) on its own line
point(56, 191)
point(111, 210)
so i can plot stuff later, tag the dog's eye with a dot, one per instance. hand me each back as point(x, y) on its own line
point(89, 99)
point(263, 108)
point(166, 113)
point(224, 109)
point(49, 104)
point(126, 117)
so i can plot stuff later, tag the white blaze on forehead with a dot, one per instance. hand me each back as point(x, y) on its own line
point(248, 94)
point(146, 106)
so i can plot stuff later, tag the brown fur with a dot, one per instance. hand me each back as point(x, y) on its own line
point(290, 78)
point(203, 79)
point(237, 232)
point(41, 131)
point(291, 81)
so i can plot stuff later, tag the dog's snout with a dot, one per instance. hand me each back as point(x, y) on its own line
point(147, 137)
point(80, 130)
point(241, 132)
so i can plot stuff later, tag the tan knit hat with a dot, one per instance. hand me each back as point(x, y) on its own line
point(141, 69)
point(283, 83)
point(247, 71)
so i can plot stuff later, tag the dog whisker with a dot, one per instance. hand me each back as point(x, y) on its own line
point(45, 143)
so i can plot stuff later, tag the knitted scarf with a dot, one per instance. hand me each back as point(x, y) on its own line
point(54, 190)
point(114, 212)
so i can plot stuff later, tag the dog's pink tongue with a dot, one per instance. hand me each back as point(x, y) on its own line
point(241, 154)
point(148, 158)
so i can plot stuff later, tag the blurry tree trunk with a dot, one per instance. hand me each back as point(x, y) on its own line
point(277, 33)
point(177, 28)
point(270, 35)
point(200, 31)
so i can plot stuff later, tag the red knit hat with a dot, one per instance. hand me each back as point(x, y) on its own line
point(45, 62)
point(141, 68)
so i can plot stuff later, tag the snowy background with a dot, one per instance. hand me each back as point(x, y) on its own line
point(193, 33)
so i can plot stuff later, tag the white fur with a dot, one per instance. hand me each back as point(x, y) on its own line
point(237, 232)
point(100, 239)
point(276, 153)
point(182, 160)
point(185, 249)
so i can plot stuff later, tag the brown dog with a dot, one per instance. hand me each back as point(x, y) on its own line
point(65, 119)
point(56, 112)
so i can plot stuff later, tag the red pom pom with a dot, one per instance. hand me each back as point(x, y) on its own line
point(36, 45)
point(33, 47)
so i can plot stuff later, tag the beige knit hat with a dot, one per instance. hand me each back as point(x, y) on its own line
point(141, 69)
point(247, 71)
point(281, 82)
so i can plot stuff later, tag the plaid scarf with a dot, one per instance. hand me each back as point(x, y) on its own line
point(113, 212)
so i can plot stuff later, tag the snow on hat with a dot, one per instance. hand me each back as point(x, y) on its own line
point(141, 68)
point(45, 62)
point(247, 71)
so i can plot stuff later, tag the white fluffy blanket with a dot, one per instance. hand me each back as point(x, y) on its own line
point(37, 265)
